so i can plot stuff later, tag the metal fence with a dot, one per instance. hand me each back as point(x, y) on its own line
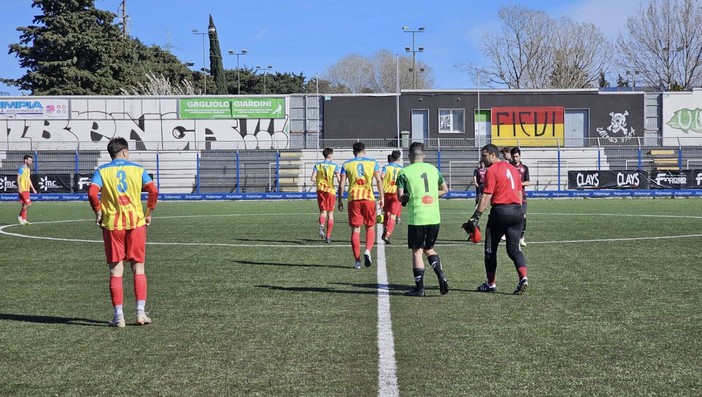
point(242, 171)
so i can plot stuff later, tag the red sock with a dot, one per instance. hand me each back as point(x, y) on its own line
point(370, 238)
point(356, 245)
point(391, 226)
point(522, 271)
point(116, 291)
point(23, 214)
point(322, 219)
point(140, 287)
point(330, 226)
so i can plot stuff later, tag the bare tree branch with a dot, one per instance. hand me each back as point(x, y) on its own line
point(664, 44)
point(536, 51)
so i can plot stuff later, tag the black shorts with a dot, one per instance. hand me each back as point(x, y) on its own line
point(423, 236)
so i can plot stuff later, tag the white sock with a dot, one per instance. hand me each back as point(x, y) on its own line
point(118, 311)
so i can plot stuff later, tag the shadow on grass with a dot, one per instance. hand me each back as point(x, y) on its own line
point(290, 264)
point(315, 289)
point(361, 289)
point(399, 287)
point(303, 241)
point(53, 320)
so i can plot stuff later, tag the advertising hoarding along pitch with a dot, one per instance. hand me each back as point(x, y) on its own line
point(232, 108)
point(34, 108)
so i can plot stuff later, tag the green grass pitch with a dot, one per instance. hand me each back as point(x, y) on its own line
point(246, 300)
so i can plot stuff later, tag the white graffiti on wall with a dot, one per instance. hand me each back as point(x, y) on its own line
point(151, 133)
point(617, 126)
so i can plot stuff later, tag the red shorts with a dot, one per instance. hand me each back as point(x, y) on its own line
point(24, 198)
point(361, 212)
point(392, 204)
point(123, 245)
point(326, 201)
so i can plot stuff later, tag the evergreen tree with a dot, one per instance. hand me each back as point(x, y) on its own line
point(603, 81)
point(72, 48)
point(216, 63)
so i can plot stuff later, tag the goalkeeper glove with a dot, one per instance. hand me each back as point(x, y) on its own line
point(404, 199)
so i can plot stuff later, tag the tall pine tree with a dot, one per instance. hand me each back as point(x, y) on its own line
point(216, 63)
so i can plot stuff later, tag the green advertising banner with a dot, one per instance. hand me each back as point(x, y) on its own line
point(205, 108)
point(231, 108)
point(258, 108)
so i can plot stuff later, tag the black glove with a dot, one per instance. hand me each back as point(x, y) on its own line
point(404, 199)
point(472, 223)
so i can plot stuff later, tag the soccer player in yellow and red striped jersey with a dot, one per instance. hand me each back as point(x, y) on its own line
point(118, 211)
point(24, 183)
point(361, 171)
point(392, 205)
point(324, 174)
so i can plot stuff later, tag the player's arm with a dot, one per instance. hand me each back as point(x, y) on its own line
point(379, 185)
point(31, 184)
point(340, 191)
point(525, 180)
point(19, 183)
point(94, 201)
point(475, 179)
point(402, 194)
point(443, 189)
point(152, 190)
point(313, 178)
point(483, 202)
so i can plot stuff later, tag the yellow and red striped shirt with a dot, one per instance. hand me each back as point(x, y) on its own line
point(360, 172)
point(390, 172)
point(325, 176)
point(120, 183)
point(23, 180)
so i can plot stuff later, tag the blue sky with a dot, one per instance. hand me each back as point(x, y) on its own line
point(310, 35)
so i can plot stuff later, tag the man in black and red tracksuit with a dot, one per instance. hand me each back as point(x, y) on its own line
point(503, 191)
point(524, 174)
point(479, 180)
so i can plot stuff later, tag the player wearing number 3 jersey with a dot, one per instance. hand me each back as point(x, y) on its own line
point(118, 211)
point(503, 190)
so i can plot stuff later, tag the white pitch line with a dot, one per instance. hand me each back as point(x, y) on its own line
point(387, 368)
point(191, 244)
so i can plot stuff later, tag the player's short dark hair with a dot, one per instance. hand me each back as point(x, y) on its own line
point(358, 147)
point(116, 145)
point(515, 150)
point(504, 150)
point(394, 156)
point(27, 156)
point(415, 149)
point(327, 151)
point(490, 148)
